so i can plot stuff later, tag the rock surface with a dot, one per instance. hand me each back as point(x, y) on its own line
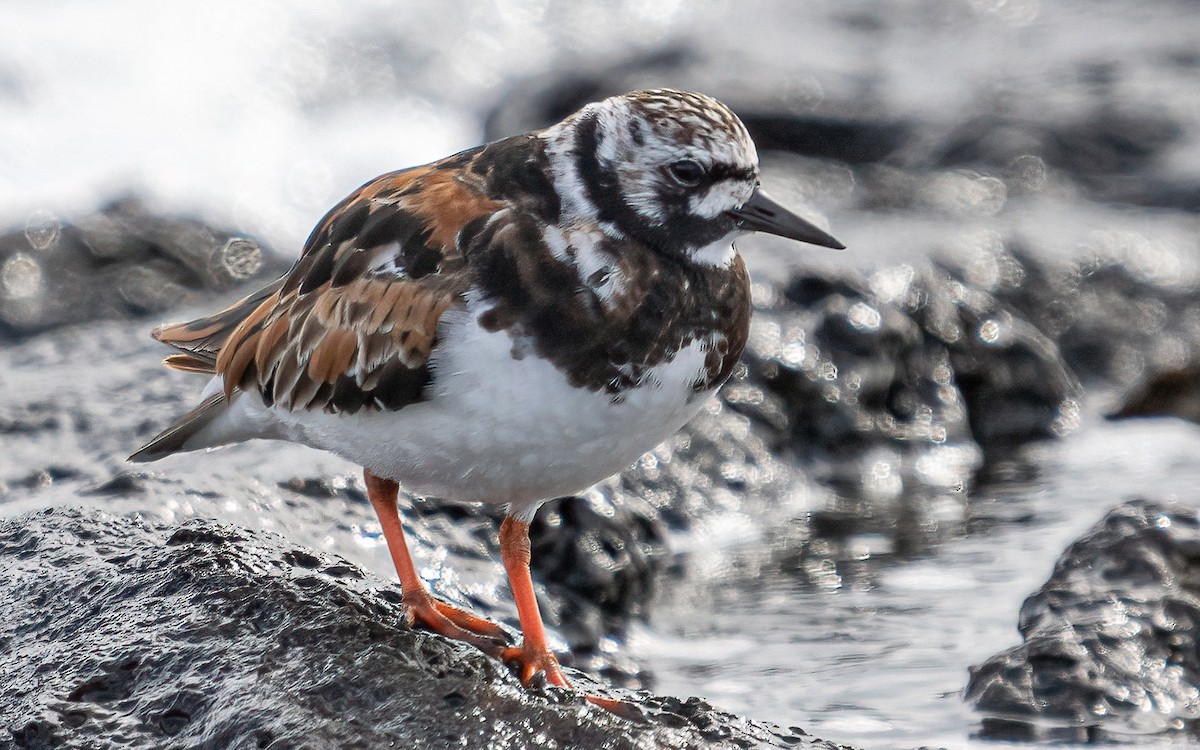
point(1111, 640)
point(1112, 315)
point(132, 635)
point(1174, 393)
point(914, 369)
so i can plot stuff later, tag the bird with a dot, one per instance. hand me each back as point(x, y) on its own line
point(507, 325)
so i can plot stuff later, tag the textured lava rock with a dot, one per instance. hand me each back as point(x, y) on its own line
point(1015, 382)
point(119, 634)
point(1111, 640)
point(842, 367)
point(125, 261)
point(1112, 323)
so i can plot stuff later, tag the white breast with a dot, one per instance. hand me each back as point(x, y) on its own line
point(507, 430)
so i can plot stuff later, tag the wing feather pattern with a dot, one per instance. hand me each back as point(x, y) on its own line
point(353, 324)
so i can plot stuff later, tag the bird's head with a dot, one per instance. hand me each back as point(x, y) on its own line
point(673, 169)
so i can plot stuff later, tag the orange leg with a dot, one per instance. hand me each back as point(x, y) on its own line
point(533, 655)
point(435, 615)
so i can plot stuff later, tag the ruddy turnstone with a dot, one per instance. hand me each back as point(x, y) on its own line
point(507, 325)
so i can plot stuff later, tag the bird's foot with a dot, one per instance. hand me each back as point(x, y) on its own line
point(534, 665)
point(529, 662)
point(452, 622)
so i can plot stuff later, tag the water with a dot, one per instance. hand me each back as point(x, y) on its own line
point(881, 661)
point(263, 115)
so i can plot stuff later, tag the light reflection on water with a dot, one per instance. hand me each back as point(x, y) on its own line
point(880, 662)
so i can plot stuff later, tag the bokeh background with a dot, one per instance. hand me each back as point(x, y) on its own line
point(998, 141)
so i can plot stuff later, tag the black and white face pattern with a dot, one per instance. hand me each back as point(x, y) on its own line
point(663, 167)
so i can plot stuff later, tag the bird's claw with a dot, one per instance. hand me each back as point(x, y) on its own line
point(528, 663)
point(452, 622)
point(537, 668)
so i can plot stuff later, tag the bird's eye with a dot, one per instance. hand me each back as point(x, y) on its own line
point(687, 172)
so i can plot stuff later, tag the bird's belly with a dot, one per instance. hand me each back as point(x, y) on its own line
point(509, 430)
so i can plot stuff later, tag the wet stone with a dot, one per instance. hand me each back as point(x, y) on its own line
point(208, 636)
point(1016, 384)
point(838, 365)
point(1113, 324)
point(1111, 640)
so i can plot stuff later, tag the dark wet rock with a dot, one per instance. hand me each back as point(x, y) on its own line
point(122, 484)
point(30, 419)
point(206, 635)
point(1175, 393)
point(1014, 380)
point(600, 561)
point(125, 261)
point(322, 488)
point(851, 370)
point(1111, 640)
point(842, 371)
point(1111, 322)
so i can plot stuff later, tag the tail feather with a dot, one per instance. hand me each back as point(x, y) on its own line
point(188, 362)
point(204, 337)
point(198, 344)
point(186, 429)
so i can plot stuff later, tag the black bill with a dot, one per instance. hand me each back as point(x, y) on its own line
point(762, 214)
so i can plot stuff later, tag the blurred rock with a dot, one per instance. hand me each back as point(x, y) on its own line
point(1175, 393)
point(1089, 145)
point(1112, 323)
point(1111, 640)
point(123, 262)
point(206, 635)
point(902, 374)
point(1013, 377)
point(843, 372)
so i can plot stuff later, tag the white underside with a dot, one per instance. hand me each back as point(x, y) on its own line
point(496, 429)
